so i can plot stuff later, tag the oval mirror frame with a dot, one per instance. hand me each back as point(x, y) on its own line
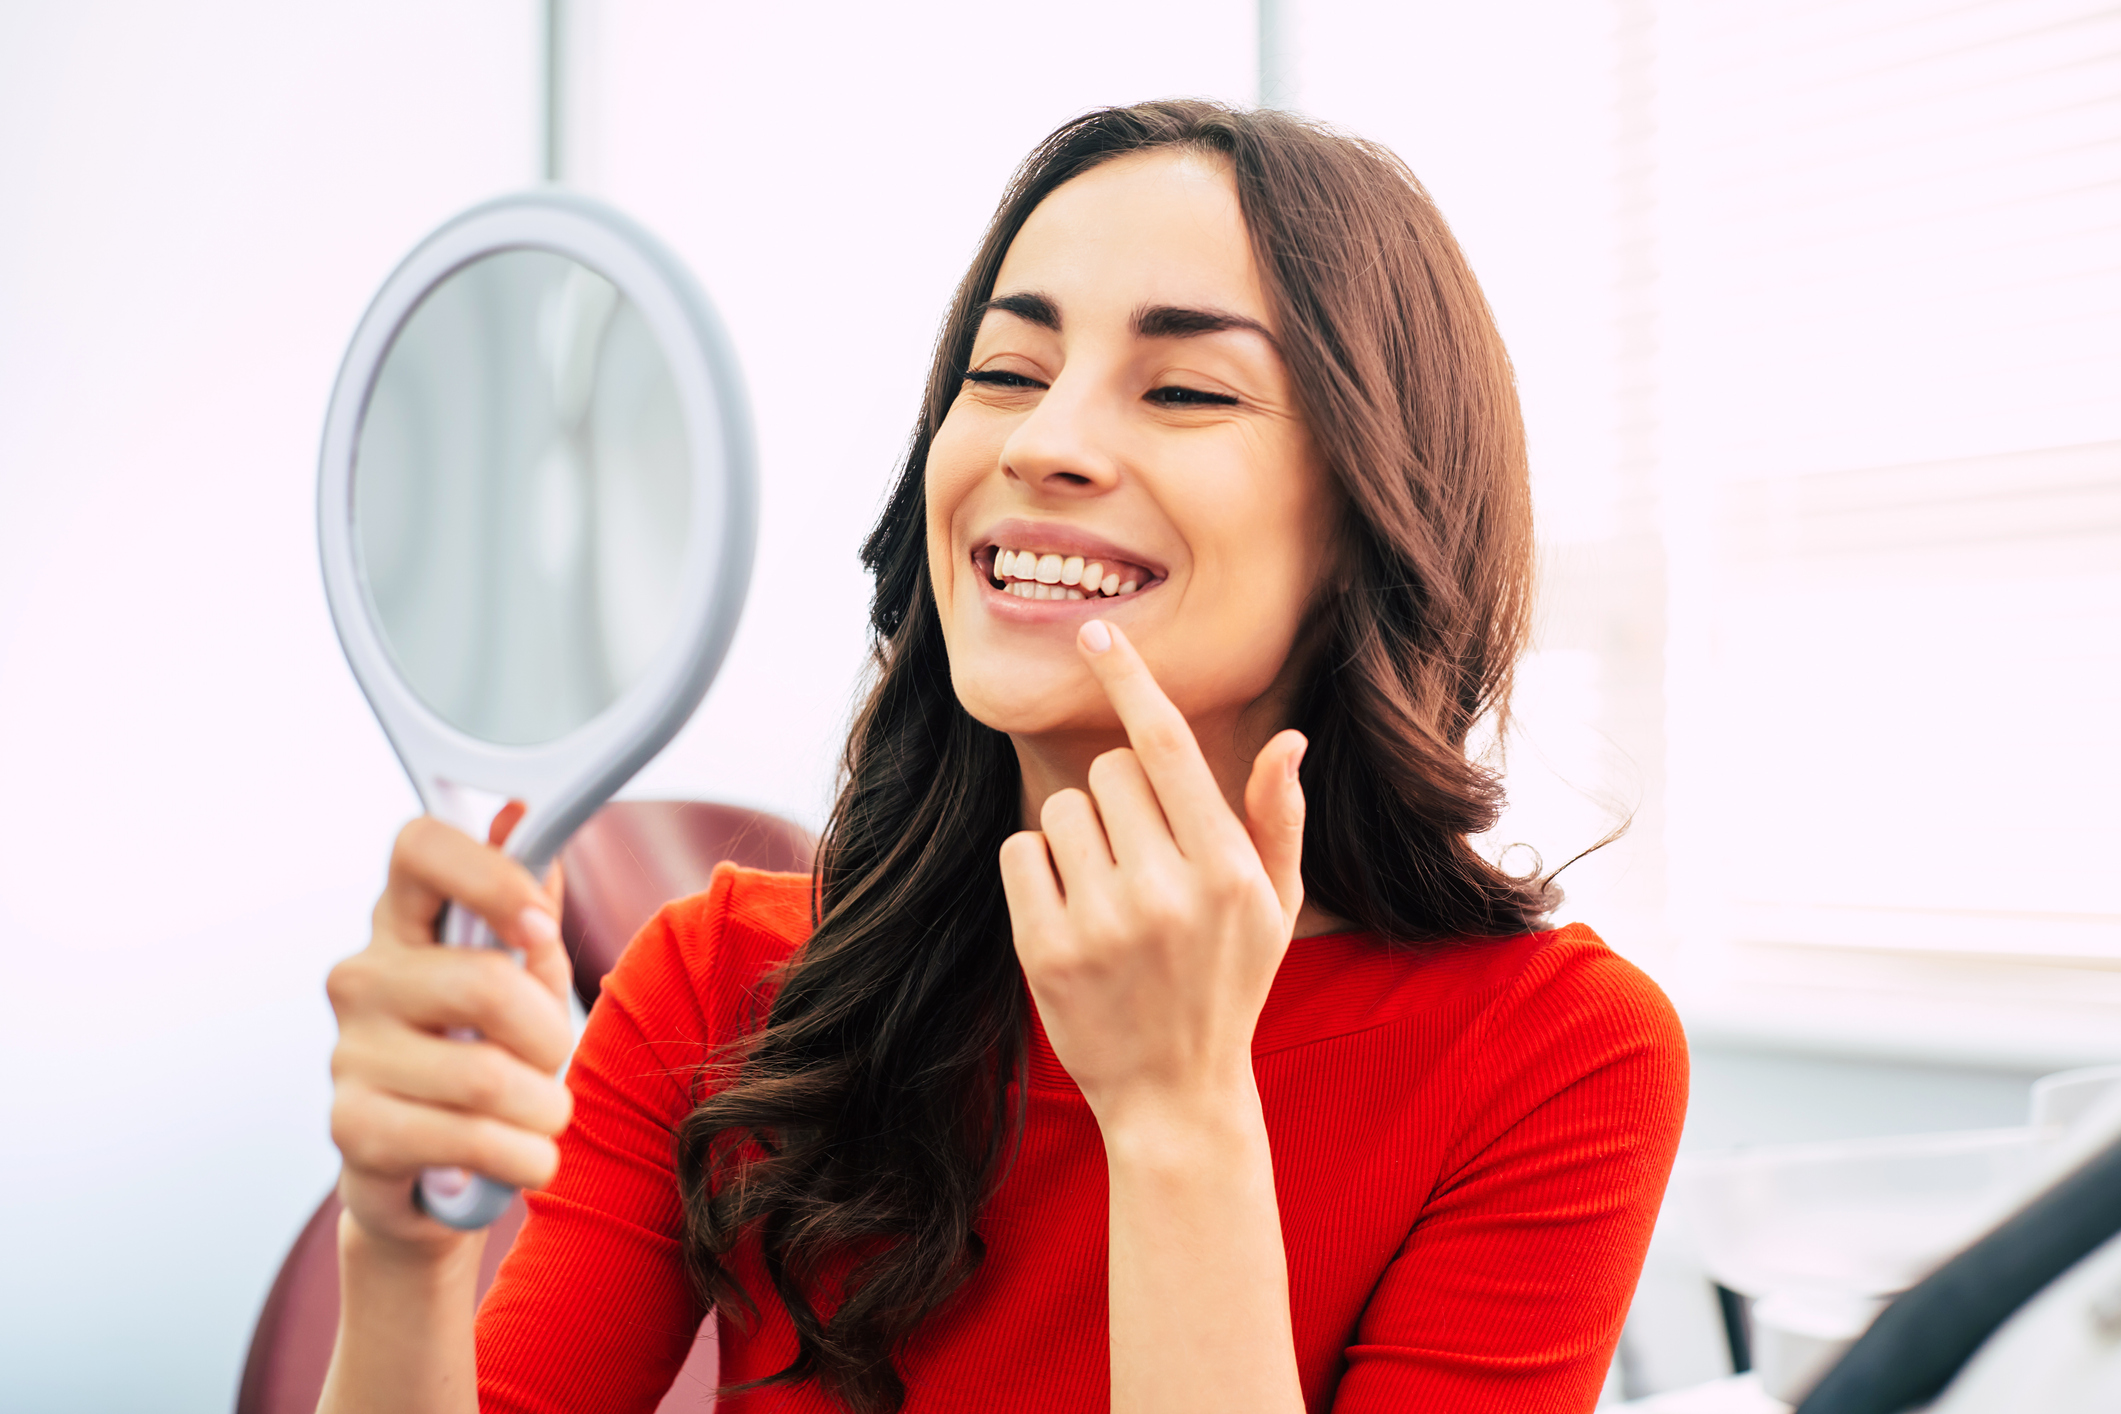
point(565, 780)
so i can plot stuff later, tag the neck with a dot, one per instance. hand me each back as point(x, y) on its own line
point(1052, 762)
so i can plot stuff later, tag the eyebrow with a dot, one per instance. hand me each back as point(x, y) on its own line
point(1170, 321)
point(1029, 306)
point(1151, 321)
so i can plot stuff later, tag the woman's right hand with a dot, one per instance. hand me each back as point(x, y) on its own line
point(406, 1096)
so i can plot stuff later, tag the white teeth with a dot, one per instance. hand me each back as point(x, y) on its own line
point(1036, 576)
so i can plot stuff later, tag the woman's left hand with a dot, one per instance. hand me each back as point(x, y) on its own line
point(1149, 918)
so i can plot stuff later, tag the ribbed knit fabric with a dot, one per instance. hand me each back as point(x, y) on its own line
point(1470, 1142)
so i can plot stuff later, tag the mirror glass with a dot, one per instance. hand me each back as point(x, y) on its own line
point(521, 497)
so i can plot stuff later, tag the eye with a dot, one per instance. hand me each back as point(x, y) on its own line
point(995, 378)
point(1177, 397)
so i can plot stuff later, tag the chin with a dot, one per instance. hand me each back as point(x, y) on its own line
point(1035, 708)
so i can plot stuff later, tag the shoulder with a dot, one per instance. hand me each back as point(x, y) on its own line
point(1502, 1027)
point(1558, 1005)
point(1565, 1024)
point(747, 911)
point(1522, 993)
point(713, 954)
point(1567, 988)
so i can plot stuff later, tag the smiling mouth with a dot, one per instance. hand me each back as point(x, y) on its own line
point(1031, 574)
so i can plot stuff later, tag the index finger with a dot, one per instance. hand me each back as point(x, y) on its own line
point(1163, 742)
point(432, 863)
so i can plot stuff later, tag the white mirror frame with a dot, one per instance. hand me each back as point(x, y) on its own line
point(562, 781)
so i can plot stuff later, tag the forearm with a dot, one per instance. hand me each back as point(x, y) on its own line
point(1199, 1282)
point(405, 1329)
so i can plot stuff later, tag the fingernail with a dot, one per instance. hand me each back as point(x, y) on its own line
point(538, 924)
point(446, 1182)
point(1296, 757)
point(1095, 636)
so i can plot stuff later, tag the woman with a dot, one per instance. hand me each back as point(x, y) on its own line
point(1220, 474)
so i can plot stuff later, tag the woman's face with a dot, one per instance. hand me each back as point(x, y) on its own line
point(1127, 446)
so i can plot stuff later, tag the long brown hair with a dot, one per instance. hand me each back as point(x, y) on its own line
point(861, 1128)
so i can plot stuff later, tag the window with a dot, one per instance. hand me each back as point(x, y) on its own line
point(1816, 308)
point(1889, 251)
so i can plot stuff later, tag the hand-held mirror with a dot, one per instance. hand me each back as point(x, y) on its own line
point(536, 511)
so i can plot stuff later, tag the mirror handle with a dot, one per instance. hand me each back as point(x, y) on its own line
point(457, 1197)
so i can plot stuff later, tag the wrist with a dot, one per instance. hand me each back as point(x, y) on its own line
point(1184, 1132)
point(406, 1262)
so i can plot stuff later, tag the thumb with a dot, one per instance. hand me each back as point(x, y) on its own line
point(1274, 817)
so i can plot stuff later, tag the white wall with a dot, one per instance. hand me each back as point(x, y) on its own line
point(829, 183)
point(194, 804)
point(198, 202)
point(1891, 469)
point(1515, 115)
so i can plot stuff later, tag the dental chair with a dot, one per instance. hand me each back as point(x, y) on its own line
point(631, 858)
point(1991, 1292)
point(1976, 1272)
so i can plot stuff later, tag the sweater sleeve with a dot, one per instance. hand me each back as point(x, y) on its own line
point(591, 1311)
point(1510, 1292)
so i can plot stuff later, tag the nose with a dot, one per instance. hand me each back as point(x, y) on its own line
point(1065, 446)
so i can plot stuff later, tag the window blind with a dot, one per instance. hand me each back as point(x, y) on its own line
point(1889, 394)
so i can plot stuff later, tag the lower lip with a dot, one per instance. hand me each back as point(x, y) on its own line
point(1043, 611)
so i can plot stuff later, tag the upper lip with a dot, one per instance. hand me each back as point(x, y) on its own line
point(1059, 538)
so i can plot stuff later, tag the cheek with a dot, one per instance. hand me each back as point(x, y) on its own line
point(1262, 557)
point(959, 455)
point(952, 473)
point(1270, 530)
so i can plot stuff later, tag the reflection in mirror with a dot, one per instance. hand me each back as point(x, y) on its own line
point(521, 492)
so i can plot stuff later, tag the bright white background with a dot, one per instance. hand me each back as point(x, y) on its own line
point(198, 201)
point(1751, 388)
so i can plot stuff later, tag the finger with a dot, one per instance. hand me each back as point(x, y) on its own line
point(392, 1137)
point(1134, 822)
point(505, 821)
point(556, 888)
point(1036, 913)
point(439, 988)
point(546, 958)
point(1274, 817)
point(431, 864)
point(477, 1077)
point(1075, 839)
point(1192, 800)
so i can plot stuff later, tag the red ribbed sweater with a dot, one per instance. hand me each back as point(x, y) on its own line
point(1470, 1142)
